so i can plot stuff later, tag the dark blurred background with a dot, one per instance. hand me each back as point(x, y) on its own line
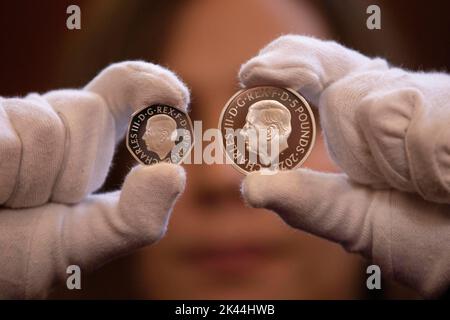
point(35, 41)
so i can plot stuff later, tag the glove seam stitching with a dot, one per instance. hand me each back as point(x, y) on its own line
point(30, 243)
point(351, 152)
point(14, 191)
point(411, 163)
point(437, 164)
point(391, 263)
point(8, 119)
point(64, 158)
point(381, 159)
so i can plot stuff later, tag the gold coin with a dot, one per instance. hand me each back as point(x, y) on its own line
point(160, 133)
point(267, 127)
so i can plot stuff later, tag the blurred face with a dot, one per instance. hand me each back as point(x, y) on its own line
point(216, 247)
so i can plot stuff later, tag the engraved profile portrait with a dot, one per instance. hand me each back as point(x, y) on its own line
point(160, 134)
point(267, 124)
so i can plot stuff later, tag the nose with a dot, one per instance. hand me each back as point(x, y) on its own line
point(215, 187)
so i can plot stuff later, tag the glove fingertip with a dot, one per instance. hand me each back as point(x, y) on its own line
point(163, 177)
point(254, 190)
point(148, 197)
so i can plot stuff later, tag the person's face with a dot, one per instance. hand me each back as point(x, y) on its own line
point(259, 137)
point(158, 137)
point(216, 246)
point(251, 131)
point(266, 138)
point(150, 138)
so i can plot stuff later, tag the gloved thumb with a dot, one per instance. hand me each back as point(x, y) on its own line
point(100, 228)
point(126, 220)
point(147, 199)
point(407, 236)
point(324, 204)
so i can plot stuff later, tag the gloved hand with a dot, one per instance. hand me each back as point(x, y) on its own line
point(389, 131)
point(55, 150)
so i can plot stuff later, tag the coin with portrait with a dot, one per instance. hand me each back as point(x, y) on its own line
point(267, 127)
point(159, 133)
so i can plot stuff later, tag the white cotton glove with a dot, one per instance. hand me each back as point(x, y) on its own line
point(389, 131)
point(55, 150)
